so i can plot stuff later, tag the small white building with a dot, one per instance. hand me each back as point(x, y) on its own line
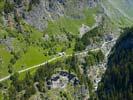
point(61, 53)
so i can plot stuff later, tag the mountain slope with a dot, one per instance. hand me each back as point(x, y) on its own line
point(117, 82)
point(35, 31)
point(119, 11)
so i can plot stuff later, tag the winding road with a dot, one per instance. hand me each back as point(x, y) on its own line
point(36, 66)
point(58, 57)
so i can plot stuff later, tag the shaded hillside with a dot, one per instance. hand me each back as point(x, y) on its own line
point(117, 82)
point(123, 46)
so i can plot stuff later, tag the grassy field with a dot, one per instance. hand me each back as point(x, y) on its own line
point(33, 57)
point(35, 54)
point(1, 4)
point(34, 33)
point(1, 96)
point(5, 57)
point(70, 24)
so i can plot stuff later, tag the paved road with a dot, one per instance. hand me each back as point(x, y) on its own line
point(57, 57)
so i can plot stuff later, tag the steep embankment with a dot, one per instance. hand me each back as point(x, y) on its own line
point(119, 11)
point(117, 82)
point(38, 12)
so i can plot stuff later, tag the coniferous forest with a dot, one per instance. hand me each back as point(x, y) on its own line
point(117, 82)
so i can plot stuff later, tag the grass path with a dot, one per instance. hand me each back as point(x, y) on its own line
point(58, 57)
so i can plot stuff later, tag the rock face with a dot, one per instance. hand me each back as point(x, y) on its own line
point(37, 13)
point(84, 29)
point(46, 10)
point(53, 9)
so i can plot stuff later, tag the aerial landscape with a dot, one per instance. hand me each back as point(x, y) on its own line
point(66, 49)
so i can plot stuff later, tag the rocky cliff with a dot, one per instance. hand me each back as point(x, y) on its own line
point(117, 82)
point(37, 13)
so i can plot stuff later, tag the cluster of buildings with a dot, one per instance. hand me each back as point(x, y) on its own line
point(61, 79)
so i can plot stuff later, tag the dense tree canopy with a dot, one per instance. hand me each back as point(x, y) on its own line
point(117, 83)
